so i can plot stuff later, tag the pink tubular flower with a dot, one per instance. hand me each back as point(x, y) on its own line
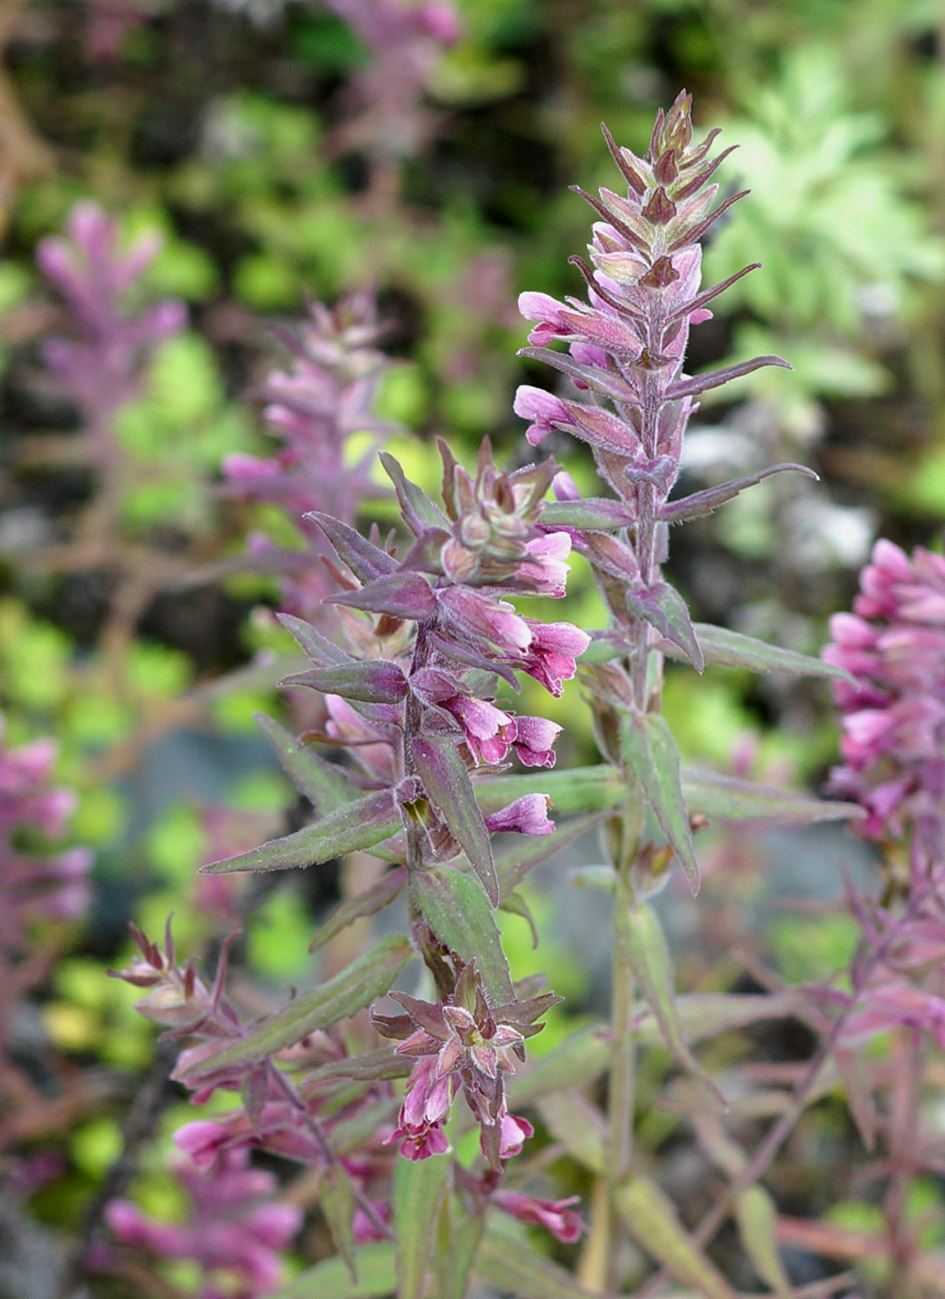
point(545, 566)
point(551, 654)
point(545, 412)
point(488, 730)
point(556, 1216)
point(535, 740)
point(893, 645)
point(527, 815)
point(513, 1133)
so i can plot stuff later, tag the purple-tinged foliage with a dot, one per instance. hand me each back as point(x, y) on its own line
point(100, 366)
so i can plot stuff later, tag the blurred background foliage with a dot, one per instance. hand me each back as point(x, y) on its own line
point(241, 131)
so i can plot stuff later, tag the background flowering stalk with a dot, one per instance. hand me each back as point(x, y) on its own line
point(40, 891)
point(314, 408)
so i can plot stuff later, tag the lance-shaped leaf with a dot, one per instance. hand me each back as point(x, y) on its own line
point(699, 503)
point(330, 1279)
point(367, 978)
point(652, 1221)
point(323, 783)
point(703, 299)
point(715, 378)
point(368, 903)
point(454, 1263)
point(707, 1014)
point(456, 909)
point(365, 560)
point(512, 1266)
point(639, 929)
point(515, 863)
point(323, 652)
point(757, 1220)
point(360, 824)
point(602, 381)
point(651, 752)
point(577, 1061)
point(578, 1125)
point(664, 608)
point(731, 649)
point(601, 429)
point(418, 510)
point(728, 799)
point(515, 905)
point(582, 789)
point(376, 1066)
point(418, 1188)
point(595, 512)
point(374, 681)
point(336, 1200)
point(401, 595)
point(450, 790)
point(604, 648)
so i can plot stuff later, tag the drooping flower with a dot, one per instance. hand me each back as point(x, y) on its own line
point(556, 1216)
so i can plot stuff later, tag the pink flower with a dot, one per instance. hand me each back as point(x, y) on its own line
point(535, 740)
point(556, 1216)
point(513, 1133)
point(488, 730)
point(546, 567)
point(485, 617)
point(545, 411)
point(551, 654)
point(527, 815)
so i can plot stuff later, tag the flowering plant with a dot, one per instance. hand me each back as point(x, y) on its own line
point(428, 639)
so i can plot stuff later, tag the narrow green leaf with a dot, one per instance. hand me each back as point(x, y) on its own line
point(458, 912)
point(374, 681)
point(367, 903)
point(651, 752)
point(640, 931)
point(419, 511)
point(418, 1188)
point(451, 792)
point(578, 1125)
point(597, 512)
point(466, 1230)
point(318, 648)
point(377, 1277)
point(727, 799)
point(515, 905)
point(652, 1221)
point(375, 1066)
point(664, 608)
point(582, 789)
point(704, 1015)
point(578, 1060)
point(370, 976)
point(731, 649)
point(336, 1197)
point(514, 864)
point(367, 821)
point(757, 1220)
point(323, 783)
point(511, 1265)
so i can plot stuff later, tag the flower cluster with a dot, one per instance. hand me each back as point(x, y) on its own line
point(314, 408)
point(294, 1122)
point(235, 1228)
point(461, 1043)
point(35, 884)
point(893, 645)
point(100, 367)
point(626, 349)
